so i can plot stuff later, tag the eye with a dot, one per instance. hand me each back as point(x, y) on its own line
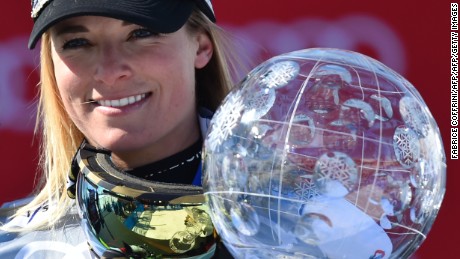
point(75, 43)
point(143, 33)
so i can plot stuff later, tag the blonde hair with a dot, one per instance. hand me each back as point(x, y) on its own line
point(61, 138)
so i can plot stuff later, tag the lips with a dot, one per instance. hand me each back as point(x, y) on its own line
point(123, 101)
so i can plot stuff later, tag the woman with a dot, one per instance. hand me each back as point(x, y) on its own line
point(130, 86)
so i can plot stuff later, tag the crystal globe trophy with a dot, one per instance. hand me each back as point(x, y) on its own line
point(323, 153)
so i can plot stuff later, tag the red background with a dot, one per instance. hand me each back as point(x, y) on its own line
point(422, 56)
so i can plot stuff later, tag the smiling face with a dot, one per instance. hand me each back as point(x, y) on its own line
point(128, 89)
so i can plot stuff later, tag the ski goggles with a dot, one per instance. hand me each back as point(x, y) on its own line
point(125, 216)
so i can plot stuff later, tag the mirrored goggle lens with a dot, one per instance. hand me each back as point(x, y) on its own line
point(144, 228)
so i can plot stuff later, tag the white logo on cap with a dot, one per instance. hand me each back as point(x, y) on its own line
point(210, 5)
point(37, 6)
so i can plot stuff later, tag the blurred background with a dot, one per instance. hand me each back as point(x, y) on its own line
point(411, 37)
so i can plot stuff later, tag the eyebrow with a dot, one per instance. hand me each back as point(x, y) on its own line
point(65, 29)
point(70, 28)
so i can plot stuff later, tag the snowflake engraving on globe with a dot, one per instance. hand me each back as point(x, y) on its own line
point(323, 153)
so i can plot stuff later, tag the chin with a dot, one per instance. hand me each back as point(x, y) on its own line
point(113, 144)
point(122, 146)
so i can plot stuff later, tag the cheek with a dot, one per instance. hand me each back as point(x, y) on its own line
point(67, 81)
point(61, 74)
point(174, 71)
point(183, 92)
point(71, 93)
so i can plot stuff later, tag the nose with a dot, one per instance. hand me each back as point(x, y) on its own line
point(112, 65)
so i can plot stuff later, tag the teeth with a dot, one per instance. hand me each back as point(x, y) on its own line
point(122, 102)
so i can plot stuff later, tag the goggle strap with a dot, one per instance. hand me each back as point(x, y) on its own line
point(89, 160)
point(74, 171)
point(72, 175)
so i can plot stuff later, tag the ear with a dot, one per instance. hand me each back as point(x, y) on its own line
point(204, 51)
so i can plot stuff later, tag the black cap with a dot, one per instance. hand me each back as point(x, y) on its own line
point(163, 16)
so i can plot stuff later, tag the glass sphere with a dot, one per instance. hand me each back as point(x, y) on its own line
point(323, 153)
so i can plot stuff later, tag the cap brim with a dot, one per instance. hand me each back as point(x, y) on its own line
point(158, 15)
